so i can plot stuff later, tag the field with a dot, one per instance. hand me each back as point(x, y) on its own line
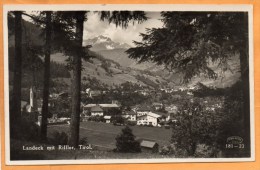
point(103, 135)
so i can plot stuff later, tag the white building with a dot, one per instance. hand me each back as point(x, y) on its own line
point(107, 119)
point(148, 119)
point(96, 111)
point(157, 106)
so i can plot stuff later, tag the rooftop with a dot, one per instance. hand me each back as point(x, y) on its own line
point(144, 108)
point(131, 112)
point(90, 105)
point(101, 105)
point(153, 115)
point(148, 144)
point(23, 104)
point(107, 117)
point(96, 109)
point(108, 105)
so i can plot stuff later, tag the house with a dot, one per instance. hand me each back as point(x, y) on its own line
point(142, 92)
point(109, 106)
point(157, 106)
point(94, 93)
point(190, 93)
point(171, 109)
point(87, 90)
point(106, 107)
point(53, 119)
point(107, 119)
point(59, 95)
point(163, 116)
point(149, 146)
point(148, 119)
point(86, 108)
point(25, 106)
point(115, 102)
point(96, 111)
point(129, 115)
point(143, 110)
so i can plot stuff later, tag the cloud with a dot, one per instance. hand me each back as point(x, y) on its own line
point(94, 27)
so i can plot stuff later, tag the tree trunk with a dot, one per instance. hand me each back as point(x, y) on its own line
point(15, 107)
point(76, 82)
point(244, 68)
point(46, 85)
point(246, 97)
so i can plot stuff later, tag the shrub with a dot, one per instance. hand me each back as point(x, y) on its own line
point(83, 141)
point(96, 118)
point(131, 123)
point(173, 150)
point(168, 150)
point(125, 142)
point(29, 131)
point(117, 120)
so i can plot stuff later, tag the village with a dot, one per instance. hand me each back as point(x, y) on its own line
point(153, 114)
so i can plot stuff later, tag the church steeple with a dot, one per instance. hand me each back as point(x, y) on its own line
point(33, 99)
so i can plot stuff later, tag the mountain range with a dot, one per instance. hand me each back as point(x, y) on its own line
point(101, 42)
point(112, 66)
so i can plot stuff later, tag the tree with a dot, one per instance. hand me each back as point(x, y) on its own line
point(117, 119)
point(120, 18)
point(76, 80)
point(46, 86)
point(125, 142)
point(190, 41)
point(15, 111)
point(194, 126)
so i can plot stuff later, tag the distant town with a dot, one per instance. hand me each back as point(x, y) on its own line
point(154, 114)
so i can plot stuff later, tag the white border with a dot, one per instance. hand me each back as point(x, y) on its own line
point(143, 7)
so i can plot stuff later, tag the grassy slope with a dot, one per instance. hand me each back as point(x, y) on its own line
point(119, 75)
point(102, 134)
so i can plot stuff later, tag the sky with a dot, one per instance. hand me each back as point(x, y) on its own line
point(93, 27)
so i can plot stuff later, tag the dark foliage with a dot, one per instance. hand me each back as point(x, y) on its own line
point(117, 120)
point(125, 142)
point(205, 91)
point(29, 131)
point(58, 138)
point(83, 141)
point(189, 40)
point(194, 126)
point(96, 118)
point(231, 116)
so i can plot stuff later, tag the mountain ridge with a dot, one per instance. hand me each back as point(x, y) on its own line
point(107, 71)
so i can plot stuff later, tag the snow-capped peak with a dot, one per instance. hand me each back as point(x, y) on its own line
point(105, 43)
point(110, 47)
point(103, 39)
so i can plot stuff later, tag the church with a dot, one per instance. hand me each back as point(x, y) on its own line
point(30, 110)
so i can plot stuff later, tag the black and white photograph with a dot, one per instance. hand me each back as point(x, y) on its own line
point(98, 84)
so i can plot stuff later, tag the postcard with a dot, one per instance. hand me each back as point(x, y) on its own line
point(104, 84)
